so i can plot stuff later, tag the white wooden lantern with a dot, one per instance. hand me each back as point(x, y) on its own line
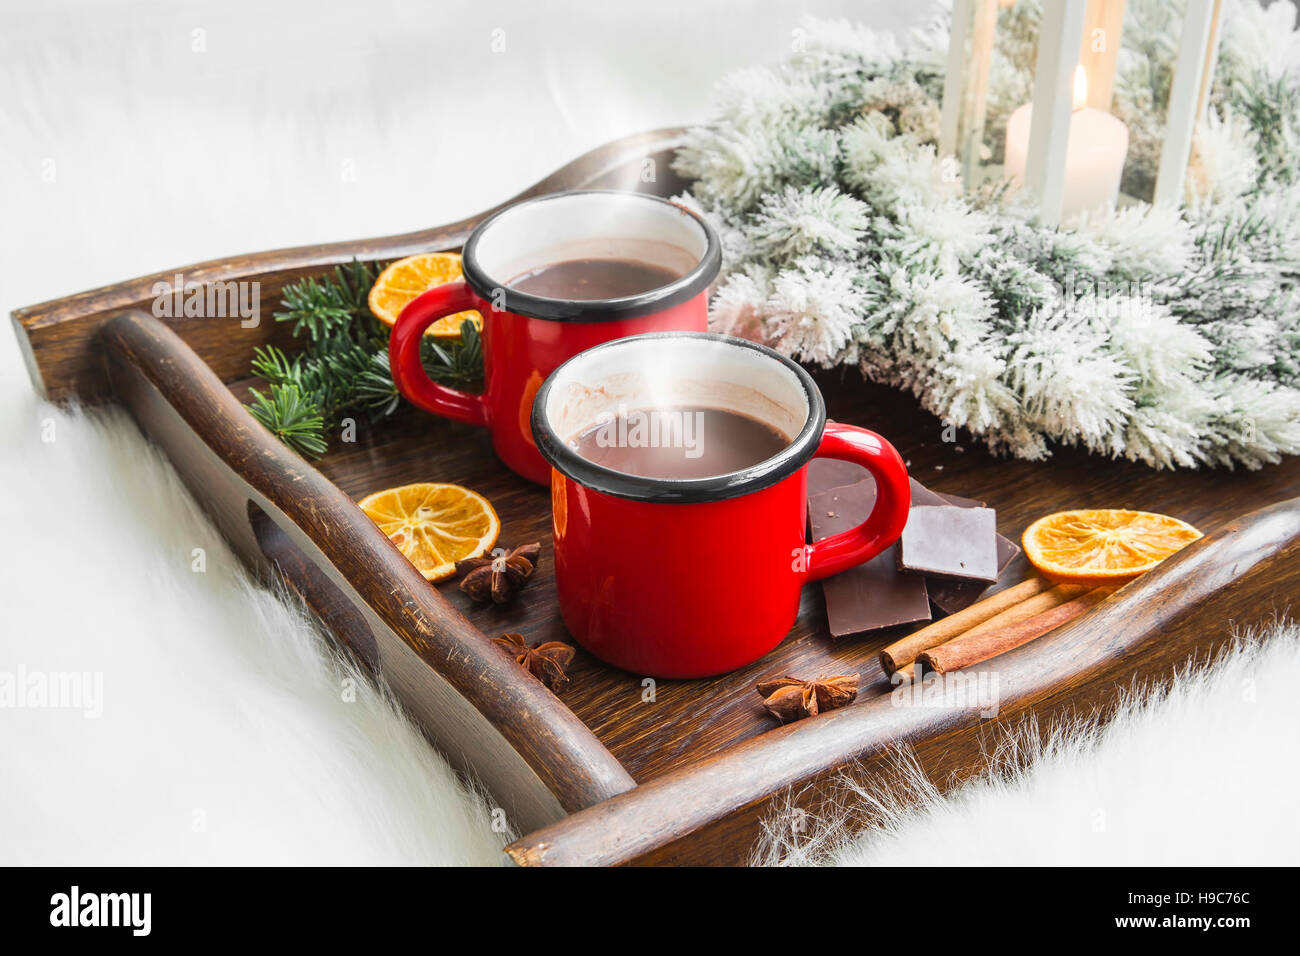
point(1065, 146)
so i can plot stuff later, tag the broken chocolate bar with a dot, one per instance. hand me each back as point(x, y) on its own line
point(948, 595)
point(827, 473)
point(922, 495)
point(951, 595)
point(952, 542)
point(873, 595)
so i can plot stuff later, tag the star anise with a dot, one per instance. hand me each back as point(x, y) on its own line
point(546, 661)
point(498, 578)
point(788, 698)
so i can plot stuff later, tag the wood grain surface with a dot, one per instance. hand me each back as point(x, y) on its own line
point(709, 759)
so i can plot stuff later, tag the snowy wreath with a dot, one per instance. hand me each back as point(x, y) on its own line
point(1162, 334)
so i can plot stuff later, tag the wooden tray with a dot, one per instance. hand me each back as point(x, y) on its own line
point(602, 774)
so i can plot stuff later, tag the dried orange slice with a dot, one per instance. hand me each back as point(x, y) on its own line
point(1103, 546)
point(434, 525)
point(406, 278)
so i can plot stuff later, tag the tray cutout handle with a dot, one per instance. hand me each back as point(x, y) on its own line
point(325, 599)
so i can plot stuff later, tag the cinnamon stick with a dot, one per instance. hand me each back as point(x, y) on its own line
point(904, 651)
point(904, 675)
point(983, 642)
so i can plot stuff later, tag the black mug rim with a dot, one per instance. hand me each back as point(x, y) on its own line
point(676, 292)
point(770, 471)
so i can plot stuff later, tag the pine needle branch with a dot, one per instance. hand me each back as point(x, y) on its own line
point(291, 417)
point(329, 307)
point(343, 365)
point(458, 363)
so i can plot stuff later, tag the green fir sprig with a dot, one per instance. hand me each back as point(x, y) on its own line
point(291, 417)
point(343, 365)
point(333, 306)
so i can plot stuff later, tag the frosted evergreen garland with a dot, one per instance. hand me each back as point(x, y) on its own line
point(1166, 336)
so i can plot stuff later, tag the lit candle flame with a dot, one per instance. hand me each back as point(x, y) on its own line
point(1080, 87)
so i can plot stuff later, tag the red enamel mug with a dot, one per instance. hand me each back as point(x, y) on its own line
point(526, 336)
point(697, 576)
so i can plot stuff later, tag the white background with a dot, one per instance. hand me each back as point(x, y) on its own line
point(307, 121)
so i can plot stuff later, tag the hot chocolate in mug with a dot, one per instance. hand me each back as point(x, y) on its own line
point(552, 276)
point(674, 571)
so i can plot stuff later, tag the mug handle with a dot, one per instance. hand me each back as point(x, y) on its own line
point(404, 354)
point(842, 551)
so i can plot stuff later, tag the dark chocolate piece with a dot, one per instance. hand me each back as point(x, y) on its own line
point(873, 595)
point(956, 501)
point(950, 595)
point(827, 473)
point(922, 495)
point(951, 542)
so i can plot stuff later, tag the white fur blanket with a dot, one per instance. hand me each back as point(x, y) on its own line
point(1174, 762)
point(212, 727)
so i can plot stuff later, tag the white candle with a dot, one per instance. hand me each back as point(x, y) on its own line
point(1094, 162)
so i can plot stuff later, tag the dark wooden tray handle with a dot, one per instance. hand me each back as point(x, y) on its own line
point(536, 758)
point(1246, 573)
